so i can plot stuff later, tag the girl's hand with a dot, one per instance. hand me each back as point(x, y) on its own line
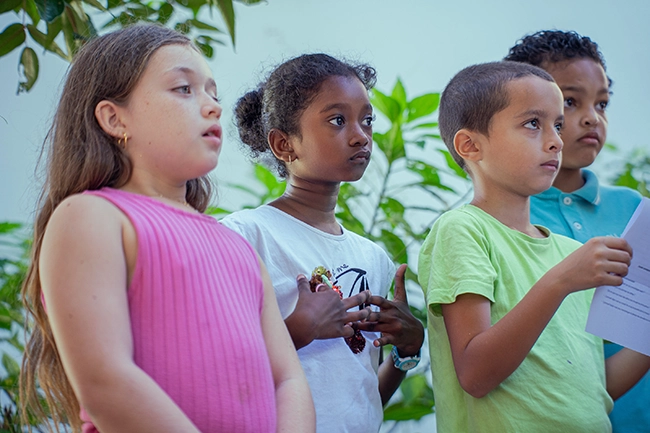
point(323, 314)
point(395, 321)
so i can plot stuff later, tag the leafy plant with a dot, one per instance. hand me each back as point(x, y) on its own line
point(47, 22)
point(411, 182)
point(635, 172)
point(13, 266)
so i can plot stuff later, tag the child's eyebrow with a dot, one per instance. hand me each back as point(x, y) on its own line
point(581, 89)
point(341, 105)
point(533, 113)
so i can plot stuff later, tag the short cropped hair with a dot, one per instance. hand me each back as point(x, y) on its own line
point(553, 46)
point(475, 95)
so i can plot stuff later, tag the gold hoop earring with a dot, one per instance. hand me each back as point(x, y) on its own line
point(122, 141)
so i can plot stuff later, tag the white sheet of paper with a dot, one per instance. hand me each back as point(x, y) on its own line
point(622, 314)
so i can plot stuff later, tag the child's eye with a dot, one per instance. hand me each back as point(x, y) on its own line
point(532, 124)
point(183, 89)
point(338, 121)
point(558, 128)
point(569, 102)
point(603, 105)
point(369, 120)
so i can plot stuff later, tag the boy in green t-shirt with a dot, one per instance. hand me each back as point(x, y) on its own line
point(577, 205)
point(508, 300)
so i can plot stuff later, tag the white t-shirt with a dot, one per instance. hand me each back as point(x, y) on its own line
point(344, 385)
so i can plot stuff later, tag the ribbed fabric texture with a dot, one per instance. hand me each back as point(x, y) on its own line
point(195, 303)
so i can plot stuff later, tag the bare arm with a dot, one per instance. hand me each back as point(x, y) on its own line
point(485, 355)
point(623, 370)
point(293, 398)
point(84, 280)
point(399, 328)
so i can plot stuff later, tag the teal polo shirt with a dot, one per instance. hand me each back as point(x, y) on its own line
point(598, 210)
point(593, 210)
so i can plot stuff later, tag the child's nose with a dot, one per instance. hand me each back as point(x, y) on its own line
point(211, 108)
point(554, 142)
point(360, 137)
point(590, 116)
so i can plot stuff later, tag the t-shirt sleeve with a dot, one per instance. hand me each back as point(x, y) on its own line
point(233, 223)
point(457, 254)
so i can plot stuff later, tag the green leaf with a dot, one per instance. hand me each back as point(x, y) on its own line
point(626, 178)
point(228, 14)
point(183, 27)
point(9, 5)
point(395, 146)
point(428, 173)
point(43, 40)
point(29, 64)
point(10, 365)
point(402, 412)
point(68, 34)
point(417, 400)
point(11, 37)
point(385, 104)
point(394, 245)
point(423, 106)
point(274, 187)
point(451, 163)
point(84, 28)
point(165, 12)
point(214, 211)
point(206, 49)
point(350, 222)
point(32, 11)
point(399, 95)
point(50, 9)
point(611, 147)
point(426, 125)
point(8, 227)
point(203, 26)
point(416, 387)
point(141, 11)
point(97, 5)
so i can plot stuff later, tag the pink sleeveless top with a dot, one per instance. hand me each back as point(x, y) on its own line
point(195, 303)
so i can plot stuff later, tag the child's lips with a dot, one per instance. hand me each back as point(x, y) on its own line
point(214, 131)
point(363, 155)
point(214, 134)
point(553, 164)
point(590, 138)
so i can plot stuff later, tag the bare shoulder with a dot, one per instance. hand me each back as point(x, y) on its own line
point(83, 217)
point(81, 206)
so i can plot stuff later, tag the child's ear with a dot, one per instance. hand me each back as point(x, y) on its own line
point(281, 146)
point(108, 116)
point(467, 145)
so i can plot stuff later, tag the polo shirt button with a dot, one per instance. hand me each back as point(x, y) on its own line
point(577, 225)
point(567, 200)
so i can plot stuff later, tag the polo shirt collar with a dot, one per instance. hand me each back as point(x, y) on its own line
point(589, 192)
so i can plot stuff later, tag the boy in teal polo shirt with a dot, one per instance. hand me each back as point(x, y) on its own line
point(577, 206)
point(507, 301)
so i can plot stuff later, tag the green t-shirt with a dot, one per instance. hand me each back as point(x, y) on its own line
point(560, 386)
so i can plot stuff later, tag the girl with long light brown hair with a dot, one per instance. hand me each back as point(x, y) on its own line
point(149, 316)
